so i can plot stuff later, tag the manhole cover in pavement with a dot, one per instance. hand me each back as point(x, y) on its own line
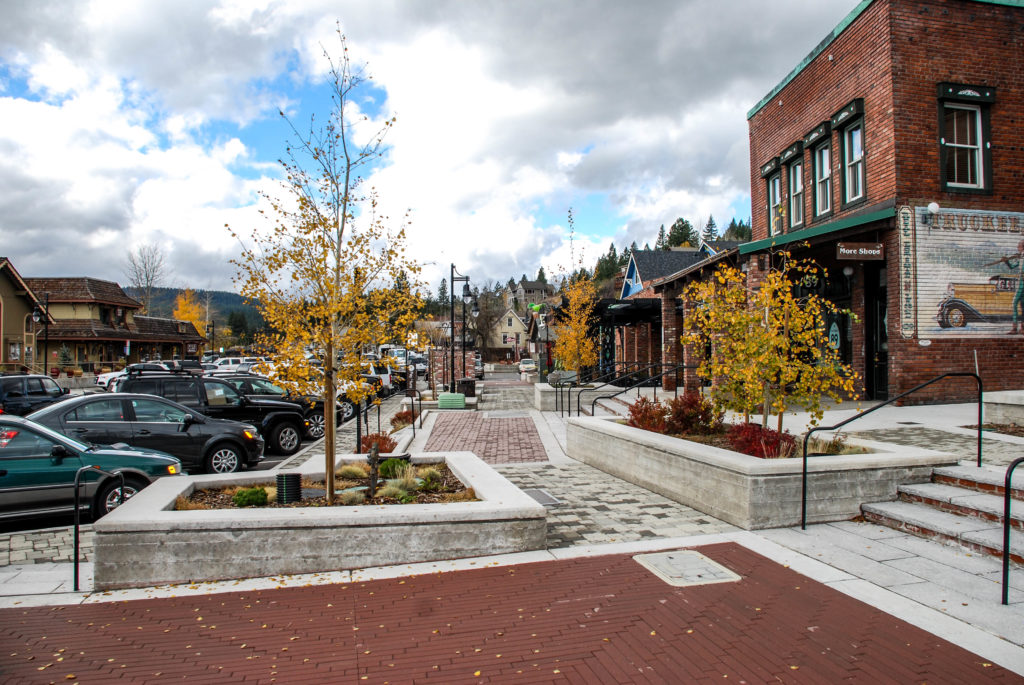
point(682, 569)
point(542, 496)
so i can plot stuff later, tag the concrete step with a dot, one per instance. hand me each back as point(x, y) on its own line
point(962, 501)
point(975, 534)
point(985, 479)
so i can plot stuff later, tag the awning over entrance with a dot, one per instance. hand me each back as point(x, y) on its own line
point(815, 231)
point(612, 312)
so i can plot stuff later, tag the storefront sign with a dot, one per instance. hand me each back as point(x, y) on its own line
point(861, 251)
point(907, 278)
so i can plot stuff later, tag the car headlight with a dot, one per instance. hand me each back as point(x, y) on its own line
point(172, 469)
point(249, 434)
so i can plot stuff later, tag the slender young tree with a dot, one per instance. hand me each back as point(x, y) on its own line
point(324, 273)
point(146, 269)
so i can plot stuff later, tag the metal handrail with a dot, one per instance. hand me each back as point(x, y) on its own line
point(620, 377)
point(807, 436)
point(78, 494)
point(1006, 528)
point(569, 385)
point(639, 384)
point(415, 393)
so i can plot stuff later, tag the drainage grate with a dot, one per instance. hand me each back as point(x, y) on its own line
point(908, 423)
point(542, 496)
point(685, 568)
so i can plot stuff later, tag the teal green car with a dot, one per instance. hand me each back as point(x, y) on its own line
point(38, 467)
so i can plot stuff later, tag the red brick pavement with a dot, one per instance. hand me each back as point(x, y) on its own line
point(588, 620)
point(495, 440)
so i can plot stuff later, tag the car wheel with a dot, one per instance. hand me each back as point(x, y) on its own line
point(956, 317)
point(109, 494)
point(348, 410)
point(223, 459)
point(316, 428)
point(286, 438)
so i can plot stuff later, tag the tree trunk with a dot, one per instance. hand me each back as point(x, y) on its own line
point(329, 404)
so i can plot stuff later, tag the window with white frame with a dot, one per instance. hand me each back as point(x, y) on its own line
point(796, 194)
point(775, 204)
point(962, 138)
point(965, 147)
point(822, 180)
point(853, 163)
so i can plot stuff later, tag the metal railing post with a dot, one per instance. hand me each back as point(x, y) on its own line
point(1006, 528)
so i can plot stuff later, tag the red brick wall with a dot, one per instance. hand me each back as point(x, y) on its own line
point(859, 68)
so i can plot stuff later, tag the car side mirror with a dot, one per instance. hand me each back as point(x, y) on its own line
point(58, 452)
point(65, 391)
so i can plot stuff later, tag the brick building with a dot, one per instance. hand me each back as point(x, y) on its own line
point(893, 155)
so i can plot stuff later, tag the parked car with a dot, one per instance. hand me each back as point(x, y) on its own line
point(201, 443)
point(23, 393)
point(38, 467)
point(227, 363)
point(259, 387)
point(111, 379)
point(527, 366)
point(281, 424)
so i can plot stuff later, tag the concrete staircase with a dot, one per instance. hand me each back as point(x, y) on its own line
point(610, 406)
point(963, 505)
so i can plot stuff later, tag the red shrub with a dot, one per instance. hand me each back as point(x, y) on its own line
point(648, 415)
point(691, 412)
point(403, 418)
point(385, 443)
point(752, 439)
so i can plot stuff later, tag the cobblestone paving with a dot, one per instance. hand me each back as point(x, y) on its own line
point(509, 440)
point(43, 546)
point(598, 508)
point(993, 452)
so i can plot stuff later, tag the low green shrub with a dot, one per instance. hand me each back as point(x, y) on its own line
point(250, 497)
point(391, 468)
point(352, 471)
point(352, 497)
point(431, 478)
point(390, 491)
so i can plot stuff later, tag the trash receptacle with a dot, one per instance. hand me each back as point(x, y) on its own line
point(466, 386)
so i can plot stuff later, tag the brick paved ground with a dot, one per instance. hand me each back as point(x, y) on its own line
point(596, 508)
point(495, 440)
point(588, 620)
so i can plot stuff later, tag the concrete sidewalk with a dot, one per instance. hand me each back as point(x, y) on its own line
point(952, 594)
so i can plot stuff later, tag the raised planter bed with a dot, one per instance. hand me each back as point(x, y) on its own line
point(145, 542)
point(746, 491)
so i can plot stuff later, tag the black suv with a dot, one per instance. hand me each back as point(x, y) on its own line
point(20, 394)
point(258, 387)
point(281, 423)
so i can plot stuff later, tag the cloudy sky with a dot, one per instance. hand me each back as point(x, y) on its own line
point(127, 123)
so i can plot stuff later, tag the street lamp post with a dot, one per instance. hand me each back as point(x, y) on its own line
point(43, 314)
point(466, 298)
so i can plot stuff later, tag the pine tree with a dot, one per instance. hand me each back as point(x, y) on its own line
point(541, 276)
point(660, 243)
point(710, 230)
point(681, 233)
point(738, 231)
point(442, 292)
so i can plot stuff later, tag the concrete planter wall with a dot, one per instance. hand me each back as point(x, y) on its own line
point(1006, 406)
point(746, 491)
point(145, 542)
point(544, 397)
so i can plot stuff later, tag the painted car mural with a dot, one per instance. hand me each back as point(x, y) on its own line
point(966, 303)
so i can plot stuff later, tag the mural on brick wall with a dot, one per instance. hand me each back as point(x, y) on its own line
point(970, 273)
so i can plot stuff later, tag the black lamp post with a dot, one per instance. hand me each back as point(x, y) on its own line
point(44, 314)
point(466, 299)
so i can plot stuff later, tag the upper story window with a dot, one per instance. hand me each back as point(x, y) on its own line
point(849, 121)
point(796, 194)
point(775, 222)
point(822, 180)
point(965, 145)
point(853, 163)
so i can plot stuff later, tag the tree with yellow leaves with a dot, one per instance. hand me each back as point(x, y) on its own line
point(576, 347)
point(188, 308)
point(769, 347)
point(327, 274)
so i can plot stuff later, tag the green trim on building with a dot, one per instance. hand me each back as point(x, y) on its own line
point(815, 231)
point(827, 40)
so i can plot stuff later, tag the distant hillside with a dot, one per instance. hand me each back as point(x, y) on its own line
point(222, 303)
